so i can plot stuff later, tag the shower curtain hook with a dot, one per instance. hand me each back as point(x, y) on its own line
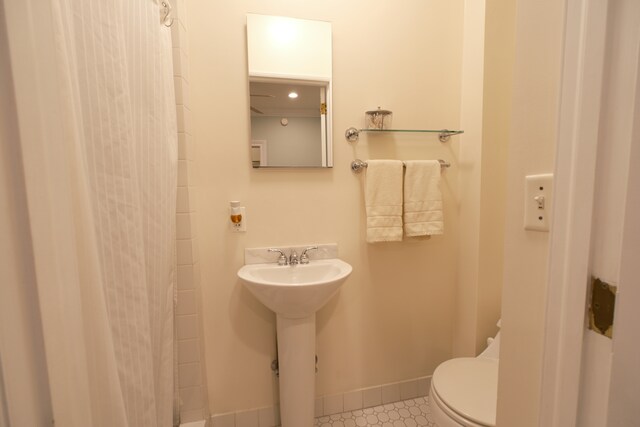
point(167, 20)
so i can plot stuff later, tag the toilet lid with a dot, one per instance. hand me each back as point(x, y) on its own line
point(469, 386)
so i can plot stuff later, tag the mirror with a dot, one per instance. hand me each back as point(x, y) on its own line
point(287, 127)
point(289, 63)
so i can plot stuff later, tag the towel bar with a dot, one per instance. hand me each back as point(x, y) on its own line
point(357, 165)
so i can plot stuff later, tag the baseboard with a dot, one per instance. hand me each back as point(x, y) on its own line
point(201, 423)
point(330, 404)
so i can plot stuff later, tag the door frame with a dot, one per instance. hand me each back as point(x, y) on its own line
point(577, 144)
point(261, 144)
point(576, 152)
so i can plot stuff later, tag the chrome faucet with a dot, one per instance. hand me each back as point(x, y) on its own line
point(304, 259)
point(293, 258)
point(282, 259)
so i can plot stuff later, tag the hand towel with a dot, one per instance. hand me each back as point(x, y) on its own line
point(383, 200)
point(422, 199)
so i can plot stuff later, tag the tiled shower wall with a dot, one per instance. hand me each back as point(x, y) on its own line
point(191, 367)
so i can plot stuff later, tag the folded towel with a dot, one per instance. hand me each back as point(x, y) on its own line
point(422, 198)
point(383, 200)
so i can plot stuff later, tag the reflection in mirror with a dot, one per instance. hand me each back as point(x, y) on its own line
point(288, 126)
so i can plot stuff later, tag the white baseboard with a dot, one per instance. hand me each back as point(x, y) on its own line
point(330, 404)
point(201, 423)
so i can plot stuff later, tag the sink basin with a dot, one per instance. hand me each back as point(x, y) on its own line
point(295, 291)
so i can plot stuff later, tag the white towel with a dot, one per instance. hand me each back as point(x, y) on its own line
point(422, 198)
point(383, 200)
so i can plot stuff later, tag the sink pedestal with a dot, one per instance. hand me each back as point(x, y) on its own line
point(295, 293)
point(296, 363)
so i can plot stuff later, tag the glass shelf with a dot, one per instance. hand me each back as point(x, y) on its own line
point(352, 134)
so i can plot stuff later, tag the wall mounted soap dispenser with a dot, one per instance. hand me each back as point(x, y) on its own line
point(237, 216)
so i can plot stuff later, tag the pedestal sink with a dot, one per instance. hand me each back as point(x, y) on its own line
point(295, 293)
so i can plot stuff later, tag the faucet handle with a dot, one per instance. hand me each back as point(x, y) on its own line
point(293, 258)
point(304, 259)
point(282, 259)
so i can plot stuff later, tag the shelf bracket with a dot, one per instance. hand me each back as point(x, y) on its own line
point(352, 134)
point(445, 134)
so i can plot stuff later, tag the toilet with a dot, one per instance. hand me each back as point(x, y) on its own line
point(464, 391)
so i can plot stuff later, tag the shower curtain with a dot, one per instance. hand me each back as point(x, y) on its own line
point(114, 59)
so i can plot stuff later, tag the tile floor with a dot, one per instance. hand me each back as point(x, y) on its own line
point(407, 413)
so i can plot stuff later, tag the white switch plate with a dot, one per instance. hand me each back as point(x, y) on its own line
point(537, 201)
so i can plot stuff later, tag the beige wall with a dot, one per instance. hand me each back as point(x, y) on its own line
point(486, 81)
point(537, 66)
point(393, 319)
point(499, 45)
point(469, 167)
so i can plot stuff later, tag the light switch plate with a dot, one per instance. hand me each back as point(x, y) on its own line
point(537, 202)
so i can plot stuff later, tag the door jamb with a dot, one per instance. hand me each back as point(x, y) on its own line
point(583, 64)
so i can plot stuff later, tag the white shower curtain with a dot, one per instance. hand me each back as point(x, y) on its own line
point(114, 59)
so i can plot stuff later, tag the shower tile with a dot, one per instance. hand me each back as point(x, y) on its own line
point(196, 275)
point(193, 415)
point(319, 407)
point(185, 64)
point(247, 419)
point(268, 417)
point(183, 177)
point(333, 404)
point(182, 146)
point(192, 171)
point(180, 12)
point(182, 200)
point(224, 420)
point(186, 99)
point(187, 326)
point(182, 91)
point(353, 400)
point(409, 389)
point(191, 398)
point(185, 277)
point(177, 65)
point(183, 117)
point(186, 303)
point(371, 397)
point(390, 393)
point(195, 250)
point(189, 374)
point(184, 251)
point(175, 35)
point(179, 36)
point(192, 197)
point(183, 226)
point(189, 153)
point(186, 148)
point(424, 384)
point(188, 351)
point(178, 90)
point(180, 117)
point(194, 224)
